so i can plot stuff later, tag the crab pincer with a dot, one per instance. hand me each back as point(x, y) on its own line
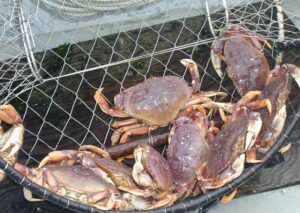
point(10, 141)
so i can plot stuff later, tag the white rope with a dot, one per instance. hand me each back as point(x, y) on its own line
point(281, 29)
point(85, 8)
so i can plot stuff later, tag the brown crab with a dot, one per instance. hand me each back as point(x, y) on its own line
point(152, 171)
point(153, 103)
point(246, 63)
point(118, 174)
point(75, 182)
point(277, 90)
point(187, 151)
point(112, 171)
point(10, 141)
point(228, 151)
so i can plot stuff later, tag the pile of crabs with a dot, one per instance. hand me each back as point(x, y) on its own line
point(200, 156)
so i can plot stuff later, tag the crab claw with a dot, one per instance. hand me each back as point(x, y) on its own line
point(192, 67)
point(9, 115)
point(151, 170)
point(12, 140)
point(10, 143)
point(294, 70)
point(216, 56)
point(286, 68)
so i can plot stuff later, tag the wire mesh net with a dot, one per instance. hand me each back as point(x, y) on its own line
point(52, 61)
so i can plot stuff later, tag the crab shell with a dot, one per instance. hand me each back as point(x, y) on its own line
point(152, 171)
point(246, 64)
point(156, 101)
point(233, 139)
point(75, 182)
point(277, 91)
point(187, 150)
point(116, 171)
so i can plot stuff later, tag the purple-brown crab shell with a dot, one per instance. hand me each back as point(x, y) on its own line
point(157, 166)
point(186, 152)
point(277, 92)
point(156, 101)
point(227, 145)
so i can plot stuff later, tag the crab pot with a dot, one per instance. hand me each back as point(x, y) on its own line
point(54, 56)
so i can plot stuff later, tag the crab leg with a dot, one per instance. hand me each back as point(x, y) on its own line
point(117, 124)
point(9, 115)
point(251, 156)
point(192, 67)
point(167, 201)
point(117, 134)
point(137, 131)
point(254, 39)
point(25, 171)
point(260, 104)
point(57, 156)
point(193, 108)
point(110, 202)
point(228, 198)
point(247, 100)
point(202, 97)
point(294, 70)
point(106, 108)
point(216, 56)
point(96, 150)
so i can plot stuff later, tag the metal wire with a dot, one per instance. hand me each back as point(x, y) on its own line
point(74, 70)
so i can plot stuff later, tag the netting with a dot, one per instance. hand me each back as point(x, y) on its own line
point(52, 61)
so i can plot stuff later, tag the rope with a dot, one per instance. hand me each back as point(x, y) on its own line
point(84, 8)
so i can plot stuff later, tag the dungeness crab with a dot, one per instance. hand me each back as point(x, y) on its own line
point(102, 182)
point(228, 151)
point(153, 103)
point(246, 63)
point(187, 151)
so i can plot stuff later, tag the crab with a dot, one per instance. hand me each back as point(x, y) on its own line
point(187, 151)
point(154, 103)
point(75, 182)
point(113, 172)
point(10, 141)
point(152, 171)
point(231, 146)
point(76, 175)
point(276, 90)
point(246, 63)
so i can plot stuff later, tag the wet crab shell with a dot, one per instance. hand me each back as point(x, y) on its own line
point(249, 67)
point(156, 101)
point(227, 145)
point(156, 166)
point(277, 92)
point(79, 178)
point(186, 152)
point(246, 63)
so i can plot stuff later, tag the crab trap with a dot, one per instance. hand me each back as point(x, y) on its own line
point(55, 54)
